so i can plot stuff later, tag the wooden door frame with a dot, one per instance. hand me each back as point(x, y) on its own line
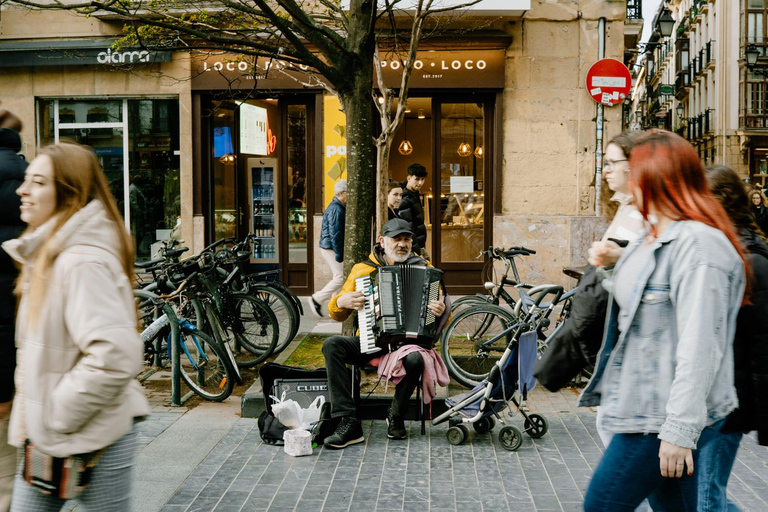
point(488, 100)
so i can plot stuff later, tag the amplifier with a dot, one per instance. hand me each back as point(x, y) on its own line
point(304, 391)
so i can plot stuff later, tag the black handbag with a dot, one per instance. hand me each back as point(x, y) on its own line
point(576, 345)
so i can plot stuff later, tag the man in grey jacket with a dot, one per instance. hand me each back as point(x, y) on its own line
point(12, 167)
point(332, 246)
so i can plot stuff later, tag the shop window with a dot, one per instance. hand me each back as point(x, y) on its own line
point(462, 200)
point(297, 183)
point(149, 194)
point(154, 188)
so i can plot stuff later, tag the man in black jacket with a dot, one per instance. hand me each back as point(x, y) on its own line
point(411, 208)
point(11, 176)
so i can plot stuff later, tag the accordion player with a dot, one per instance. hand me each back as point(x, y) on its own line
point(395, 310)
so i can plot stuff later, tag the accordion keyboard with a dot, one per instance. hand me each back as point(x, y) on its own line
point(366, 317)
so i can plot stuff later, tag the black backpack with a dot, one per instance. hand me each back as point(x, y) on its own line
point(270, 427)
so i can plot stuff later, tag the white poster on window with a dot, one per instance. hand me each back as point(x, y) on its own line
point(462, 184)
point(253, 129)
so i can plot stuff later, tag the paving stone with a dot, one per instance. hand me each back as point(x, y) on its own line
point(424, 473)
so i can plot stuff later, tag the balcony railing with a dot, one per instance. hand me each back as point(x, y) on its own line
point(634, 9)
point(700, 126)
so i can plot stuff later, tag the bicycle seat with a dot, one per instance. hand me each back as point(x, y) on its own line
point(174, 253)
point(575, 272)
point(148, 264)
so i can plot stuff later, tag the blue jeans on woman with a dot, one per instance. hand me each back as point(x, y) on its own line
point(716, 455)
point(629, 472)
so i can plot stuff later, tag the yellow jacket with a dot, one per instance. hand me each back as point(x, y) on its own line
point(375, 259)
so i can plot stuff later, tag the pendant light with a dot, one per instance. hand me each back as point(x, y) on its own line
point(464, 148)
point(479, 152)
point(405, 147)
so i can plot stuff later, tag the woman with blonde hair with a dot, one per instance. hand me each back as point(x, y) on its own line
point(79, 350)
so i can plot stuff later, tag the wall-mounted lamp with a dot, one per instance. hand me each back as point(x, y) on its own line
point(752, 55)
point(666, 23)
point(421, 113)
point(679, 110)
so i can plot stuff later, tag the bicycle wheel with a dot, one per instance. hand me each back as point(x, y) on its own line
point(474, 341)
point(255, 330)
point(285, 312)
point(204, 365)
point(462, 303)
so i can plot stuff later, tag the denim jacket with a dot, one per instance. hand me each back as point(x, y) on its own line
point(672, 373)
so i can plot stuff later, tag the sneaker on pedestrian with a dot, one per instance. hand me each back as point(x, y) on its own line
point(349, 431)
point(395, 426)
point(314, 307)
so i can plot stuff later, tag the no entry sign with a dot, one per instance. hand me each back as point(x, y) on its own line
point(608, 82)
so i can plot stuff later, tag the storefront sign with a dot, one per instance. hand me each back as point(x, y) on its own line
point(253, 130)
point(449, 69)
point(432, 70)
point(335, 144)
point(231, 71)
point(33, 54)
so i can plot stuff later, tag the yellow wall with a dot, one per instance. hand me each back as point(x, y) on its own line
point(334, 146)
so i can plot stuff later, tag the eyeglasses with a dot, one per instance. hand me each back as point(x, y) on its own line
point(611, 163)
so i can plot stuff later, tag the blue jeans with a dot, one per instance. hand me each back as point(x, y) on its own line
point(716, 455)
point(629, 472)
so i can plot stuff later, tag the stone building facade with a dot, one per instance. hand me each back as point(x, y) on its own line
point(540, 125)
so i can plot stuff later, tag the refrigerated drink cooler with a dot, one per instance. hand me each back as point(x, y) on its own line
point(263, 176)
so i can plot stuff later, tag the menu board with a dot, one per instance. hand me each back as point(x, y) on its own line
point(253, 129)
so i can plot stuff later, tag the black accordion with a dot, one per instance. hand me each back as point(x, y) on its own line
point(396, 299)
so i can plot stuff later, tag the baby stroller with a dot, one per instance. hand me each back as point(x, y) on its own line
point(490, 397)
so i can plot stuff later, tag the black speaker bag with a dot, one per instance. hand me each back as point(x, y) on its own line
point(270, 372)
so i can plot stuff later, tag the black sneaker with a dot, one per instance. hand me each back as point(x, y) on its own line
point(314, 306)
point(349, 431)
point(395, 426)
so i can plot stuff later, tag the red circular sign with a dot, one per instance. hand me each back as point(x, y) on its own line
point(608, 82)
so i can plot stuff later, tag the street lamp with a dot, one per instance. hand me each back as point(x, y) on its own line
point(666, 23)
point(752, 55)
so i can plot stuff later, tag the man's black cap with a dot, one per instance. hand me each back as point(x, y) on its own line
point(396, 227)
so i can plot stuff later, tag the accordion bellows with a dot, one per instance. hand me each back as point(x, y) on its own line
point(396, 299)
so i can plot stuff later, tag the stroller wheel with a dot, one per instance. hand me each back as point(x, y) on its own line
point(456, 435)
point(537, 426)
point(510, 438)
point(483, 425)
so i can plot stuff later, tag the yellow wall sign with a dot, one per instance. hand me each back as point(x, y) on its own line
point(335, 146)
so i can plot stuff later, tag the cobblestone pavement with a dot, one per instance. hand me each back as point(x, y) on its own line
point(425, 472)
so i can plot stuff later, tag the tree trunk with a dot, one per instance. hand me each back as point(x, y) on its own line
point(361, 164)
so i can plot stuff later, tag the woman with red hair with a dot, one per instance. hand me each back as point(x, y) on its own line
point(665, 369)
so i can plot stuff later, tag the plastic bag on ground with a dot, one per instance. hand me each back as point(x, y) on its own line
point(289, 411)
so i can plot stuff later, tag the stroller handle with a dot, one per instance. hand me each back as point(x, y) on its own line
point(537, 294)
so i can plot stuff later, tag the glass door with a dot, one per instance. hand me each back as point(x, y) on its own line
point(462, 215)
point(224, 172)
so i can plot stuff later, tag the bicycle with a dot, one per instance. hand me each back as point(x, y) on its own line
point(274, 294)
point(206, 367)
point(240, 323)
point(497, 291)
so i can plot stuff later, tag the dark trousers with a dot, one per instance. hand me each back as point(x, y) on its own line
point(339, 351)
point(629, 472)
